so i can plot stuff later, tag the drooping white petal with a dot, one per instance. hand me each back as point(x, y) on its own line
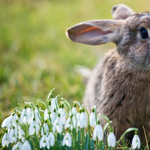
point(34, 128)
point(58, 125)
point(62, 115)
point(83, 120)
point(46, 114)
point(12, 136)
point(24, 116)
point(45, 129)
point(21, 134)
point(92, 119)
point(67, 124)
point(37, 119)
point(136, 143)
point(18, 146)
point(43, 141)
point(67, 140)
point(7, 121)
point(74, 110)
point(53, 117)
point(30, 114)
point(98, 132)
point(26, 145)
point(53, 104)
point(5, 139)
point(111, 140)
point(78, 119)
point(50, 140)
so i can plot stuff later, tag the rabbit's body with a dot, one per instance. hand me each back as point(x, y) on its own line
point(119, 92)
point(119, 85)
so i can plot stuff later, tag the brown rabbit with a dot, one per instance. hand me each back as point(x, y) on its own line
point(119, 85)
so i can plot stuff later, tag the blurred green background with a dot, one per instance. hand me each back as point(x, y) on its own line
point(35, 54)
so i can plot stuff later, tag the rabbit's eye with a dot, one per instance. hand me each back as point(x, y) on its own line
point(143, 33)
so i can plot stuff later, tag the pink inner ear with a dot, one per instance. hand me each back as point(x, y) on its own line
point(95, 30)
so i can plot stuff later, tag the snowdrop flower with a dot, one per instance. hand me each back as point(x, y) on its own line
point(34, 127)
point(50, 140)
point(43, 141)
point(74, 110)
point(136, 143)
point(71, 123)
point(53, 116)
point(78, 118)
point(83, 119)
point(58, 125)
point(5, 139)
point(24, 115)
point(92, 119)
point(111, 140)
point(18, 146)
point(21, 134)
point(12, 135)
point(98, 132)
point(26, 145)
point(53, 104)
point(46, 116)
point(68, 123)
point(62, 113)
point(67, 140)
point(30, 114)
point(45, 129)
point(9, 120)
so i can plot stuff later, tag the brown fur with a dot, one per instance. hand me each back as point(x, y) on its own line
point(119, 85)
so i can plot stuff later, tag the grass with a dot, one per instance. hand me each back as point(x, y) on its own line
point(36, 56)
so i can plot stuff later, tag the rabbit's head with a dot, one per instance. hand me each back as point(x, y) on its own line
point(131, 36)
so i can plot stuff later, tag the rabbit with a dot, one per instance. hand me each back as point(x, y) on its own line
point(119, 85)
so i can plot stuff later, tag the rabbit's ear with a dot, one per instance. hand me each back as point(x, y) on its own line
point(95, 32)
point(121, 11)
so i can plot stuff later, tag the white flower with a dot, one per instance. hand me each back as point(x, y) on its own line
point(50, 140)
point(53, 116)
point(74, 110)
point(37, 119)
point(26, 145)
point(45, 129)
point(62, 115)
point(68, 122)
point(98, 132)
point(67, 140)
point(43, 141)
point(58, 125)
point(78, 119)
point(30, 114)
point(9, 120)
point(83, 120)
point(111, 140)
point(46, 116)
point(12, 135)
point(34, 128)
point(71, 123)
point(21, 134)
point(5, 139)
point(92, 119)
point(136, 143)
point(53, 104)
point(18, 146)
point(24, 115)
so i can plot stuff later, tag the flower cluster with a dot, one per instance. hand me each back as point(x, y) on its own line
point(57, 126)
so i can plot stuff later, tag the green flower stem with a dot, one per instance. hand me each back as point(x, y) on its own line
point(97, 143)
point(128, 130)
point(66, 102)
point(89, 136)
point(36, 141)
point(82, 133)
point(74, 138)
point(50, 95)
